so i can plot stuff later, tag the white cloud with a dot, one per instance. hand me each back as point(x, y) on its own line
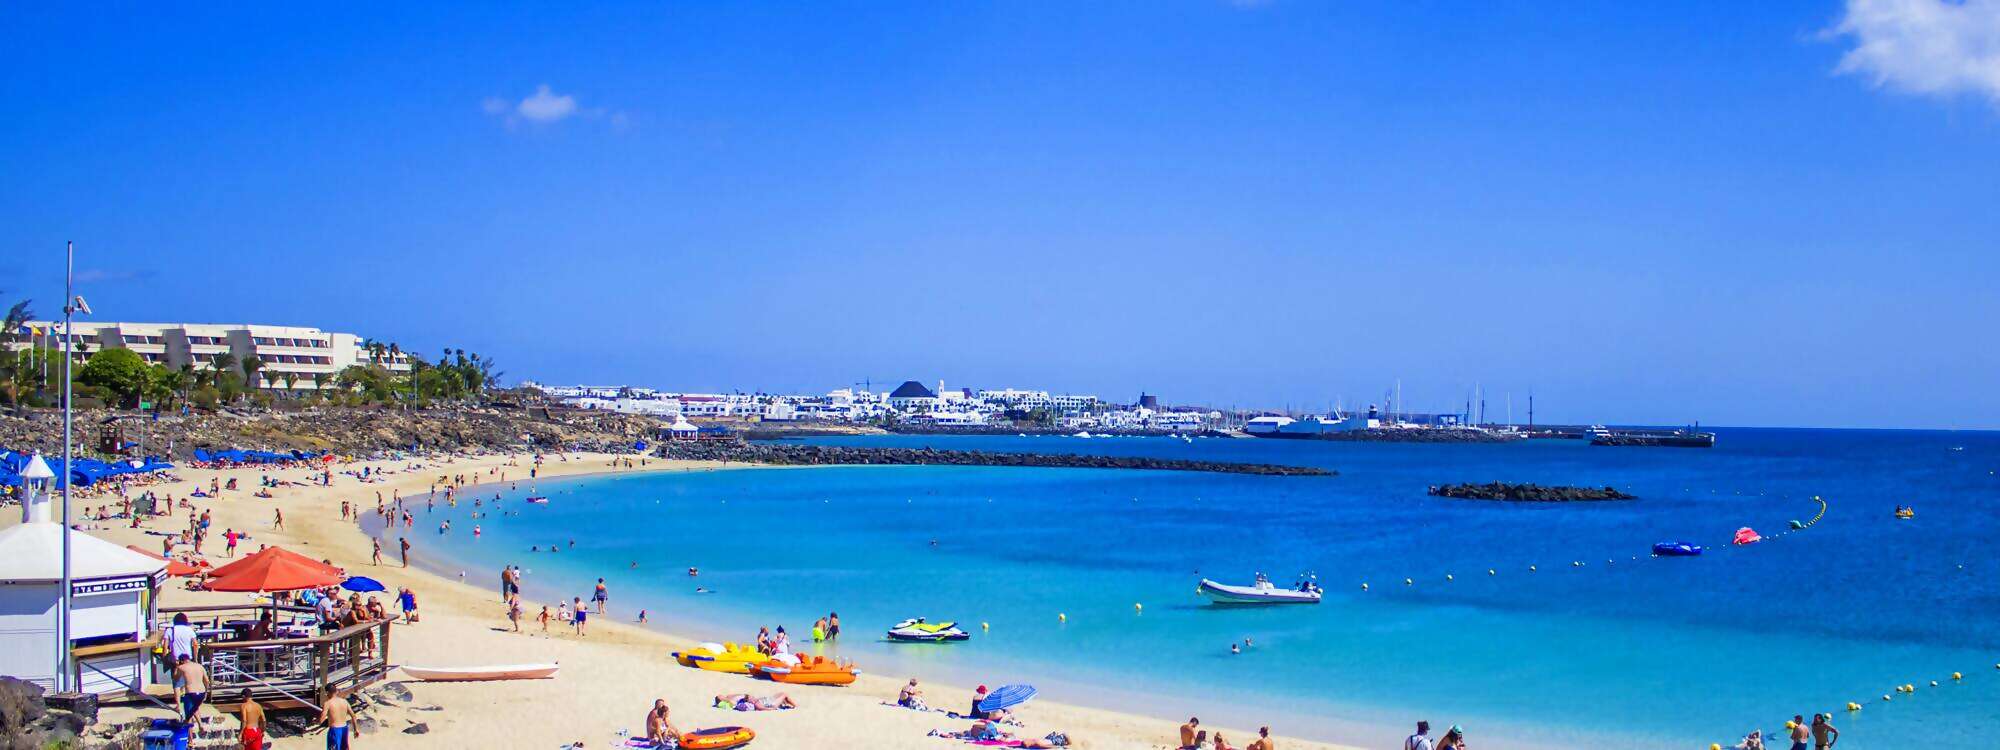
point(546, 106)
point(1931, 47)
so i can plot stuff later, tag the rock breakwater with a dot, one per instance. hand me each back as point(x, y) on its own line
point(824, 455)
point(1528, 493)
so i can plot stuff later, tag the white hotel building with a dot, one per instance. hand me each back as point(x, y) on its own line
point(303, 352)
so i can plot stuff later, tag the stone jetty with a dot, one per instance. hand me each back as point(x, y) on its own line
point(1527, 493)
point(824, 455)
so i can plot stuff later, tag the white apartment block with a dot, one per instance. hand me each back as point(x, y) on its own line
point(302, 352)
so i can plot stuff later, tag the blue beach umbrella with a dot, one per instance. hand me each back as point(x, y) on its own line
point(1007, 696)
point(363, 584)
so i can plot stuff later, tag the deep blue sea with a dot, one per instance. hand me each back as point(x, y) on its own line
point(1623, 650)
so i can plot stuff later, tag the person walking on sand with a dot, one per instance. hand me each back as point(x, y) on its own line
point(514, 612)
point(229, 536)
point(334, 715)
point(278, 519)
point(579, 615)
point(1421, 740)
point(190, 686)
point(600, 596)
point(252, 717)
point(405, 543)
point(407, 600)
point(378, 553)
point(544, 617)
point(506, 582)
point(1823, 733)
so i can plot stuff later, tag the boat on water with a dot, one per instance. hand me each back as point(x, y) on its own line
point(1260, 592)
point(470, 674)
point(1676, 549)
point(1906, 513)
point(918, 631)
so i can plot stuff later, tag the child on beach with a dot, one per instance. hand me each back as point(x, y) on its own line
point(544, 618)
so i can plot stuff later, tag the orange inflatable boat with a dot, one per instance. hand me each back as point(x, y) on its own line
point(717, 738)
point(810, 670)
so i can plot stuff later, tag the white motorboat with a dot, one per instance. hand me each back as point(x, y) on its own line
point(501, 672)
point(1261, 592)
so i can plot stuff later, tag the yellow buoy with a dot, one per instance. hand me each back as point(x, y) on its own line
point(1852, 706)
point(985, 626)
point(1957, 676)
point(1137, 607)
point(1714, 746)
point(1060, 617)
point(1789, 724)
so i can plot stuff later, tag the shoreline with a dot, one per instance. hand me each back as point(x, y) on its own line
point(612, 674)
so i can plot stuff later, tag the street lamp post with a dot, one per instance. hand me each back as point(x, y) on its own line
point(71, 305)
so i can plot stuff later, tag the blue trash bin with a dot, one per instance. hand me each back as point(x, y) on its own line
point(157, 739)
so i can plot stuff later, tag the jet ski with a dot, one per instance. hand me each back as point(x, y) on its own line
point(539, 499)
point(918, 631)
point(1676, 549)
point(1260, 592)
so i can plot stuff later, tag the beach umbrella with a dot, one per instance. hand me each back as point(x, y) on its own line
point(174, 567)
point(1007, 696)
point(363, 584)
point(252, 558)
point(274, 569)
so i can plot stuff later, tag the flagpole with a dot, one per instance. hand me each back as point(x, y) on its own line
point(62, 628)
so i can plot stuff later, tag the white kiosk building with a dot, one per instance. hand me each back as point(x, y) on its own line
point(113, 593)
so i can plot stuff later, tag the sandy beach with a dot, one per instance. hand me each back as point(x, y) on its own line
point(610, 677)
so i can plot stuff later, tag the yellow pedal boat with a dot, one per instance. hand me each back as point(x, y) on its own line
point(721, 657)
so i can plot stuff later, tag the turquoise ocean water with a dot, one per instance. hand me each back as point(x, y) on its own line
point(1623, 651)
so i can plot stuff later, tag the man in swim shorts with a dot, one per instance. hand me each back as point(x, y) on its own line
point(1800, 732)
point(335, 715)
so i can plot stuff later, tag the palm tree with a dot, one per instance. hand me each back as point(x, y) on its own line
point(17, 316)
point(320, 379)
point(291, 379)
point(251, 366)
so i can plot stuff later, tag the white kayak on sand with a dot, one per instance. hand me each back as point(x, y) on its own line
point(1261, 592)
point(501, 672)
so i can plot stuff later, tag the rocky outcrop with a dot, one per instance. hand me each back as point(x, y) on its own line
point(824, 455)
point(353, 430)
point(1528, 493)
point(27, 724)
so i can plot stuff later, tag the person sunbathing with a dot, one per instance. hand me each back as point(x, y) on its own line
point(990, 732)
point(748, 702)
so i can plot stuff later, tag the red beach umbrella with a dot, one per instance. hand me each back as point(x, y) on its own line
point(274, 569)
point(175, 568)
point(274, 552)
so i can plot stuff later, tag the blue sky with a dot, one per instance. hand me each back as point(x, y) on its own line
point(1778, 213)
